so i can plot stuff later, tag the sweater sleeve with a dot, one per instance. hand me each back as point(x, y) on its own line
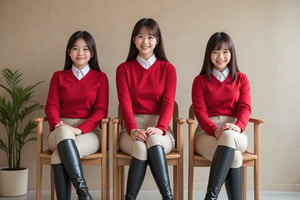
point(200, 107)
point(244, 104)
point(125, 100)
point(100, 107)
point(168, 98)
point(52, 108)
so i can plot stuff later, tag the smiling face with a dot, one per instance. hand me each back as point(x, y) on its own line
point(145, 42)
point(80, 54)
point(220, 58)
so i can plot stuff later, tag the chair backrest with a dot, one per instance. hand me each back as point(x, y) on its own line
point(174, 120)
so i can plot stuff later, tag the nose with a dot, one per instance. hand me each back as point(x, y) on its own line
point(145, 40)
point(80, 51)
point(220, 55)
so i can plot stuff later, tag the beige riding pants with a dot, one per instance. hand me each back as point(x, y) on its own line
point(87, 143)
point(206, 144)
point(138, 149)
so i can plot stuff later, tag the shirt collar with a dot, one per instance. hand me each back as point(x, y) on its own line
point(221, 76)
point(80, 73)
point(146, 63)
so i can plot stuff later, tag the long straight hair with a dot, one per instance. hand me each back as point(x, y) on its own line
point(154, 30)
point(215, 42)
point(91, 44)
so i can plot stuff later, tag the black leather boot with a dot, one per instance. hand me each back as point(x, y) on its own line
point(71, 161)
point(62, 182)
point(220, 166)
point(159, 169)
point(136, 174)
point(234, 184)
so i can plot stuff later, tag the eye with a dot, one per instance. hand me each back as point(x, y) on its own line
point(214, 52)
point(74, 48)
point(226, 51)
point(86, 49)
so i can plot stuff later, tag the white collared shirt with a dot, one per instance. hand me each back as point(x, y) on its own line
point(146, 63)
point(80, 73)
point(221, 76)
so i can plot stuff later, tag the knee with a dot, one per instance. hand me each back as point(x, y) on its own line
point(63, 133)
point(153, 140)
point(139, 151)
point(237, 159)
point(227, 139)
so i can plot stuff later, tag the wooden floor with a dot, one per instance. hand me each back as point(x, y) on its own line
point(150, 195)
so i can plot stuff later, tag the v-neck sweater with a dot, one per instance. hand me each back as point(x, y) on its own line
point(146, 91)
point(69, 97)
point(214, 98)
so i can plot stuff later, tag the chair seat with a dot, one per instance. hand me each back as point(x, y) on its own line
point(246, 156)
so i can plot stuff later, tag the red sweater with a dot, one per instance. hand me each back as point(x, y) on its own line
point(146, 91)
point(72, 98)
point(213, 98)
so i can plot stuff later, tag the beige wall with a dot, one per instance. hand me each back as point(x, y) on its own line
point(34, 34)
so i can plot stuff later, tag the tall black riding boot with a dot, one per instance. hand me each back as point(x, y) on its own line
point(234, 184)
point(220, 166)
point(136, 174)
point(62, 182)
point(159, 169)
point(71, 161)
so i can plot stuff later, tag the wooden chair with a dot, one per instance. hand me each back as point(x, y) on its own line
point(174, 158)
point(99, 158)
point(249, 159)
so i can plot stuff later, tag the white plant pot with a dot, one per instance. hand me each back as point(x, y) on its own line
point(13, 183)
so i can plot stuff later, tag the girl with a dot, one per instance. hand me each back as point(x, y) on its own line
point(146, 85)
point(77, 101)
point(221, 101)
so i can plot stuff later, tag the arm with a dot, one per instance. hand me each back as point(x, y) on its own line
point(52, 108)
point(244, 104)
point(125, 98)
point(167, 100)
point(200, 109)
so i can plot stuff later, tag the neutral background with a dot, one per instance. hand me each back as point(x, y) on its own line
point(266, 34)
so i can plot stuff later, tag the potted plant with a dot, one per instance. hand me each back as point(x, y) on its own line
point(15, 129)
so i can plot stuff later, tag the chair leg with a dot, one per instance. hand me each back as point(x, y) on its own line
point(104, 175)
point(175, 183)
point(190, 180)
point(107, 180)
point(180, 178)
point(122, 182)
point(52, 184)
point(116, 192)
point(39, 173)
point(256, 181)
point(244, 183)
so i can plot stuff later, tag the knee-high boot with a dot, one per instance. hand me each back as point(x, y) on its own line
point(159, 169)
point(136, 174)
point(234, 184)
point(220, 166)
point(71, 161)
point(62, 182)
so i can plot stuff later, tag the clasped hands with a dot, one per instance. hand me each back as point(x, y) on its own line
point(142, 135)
point(76, 131)
point(228, 126)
